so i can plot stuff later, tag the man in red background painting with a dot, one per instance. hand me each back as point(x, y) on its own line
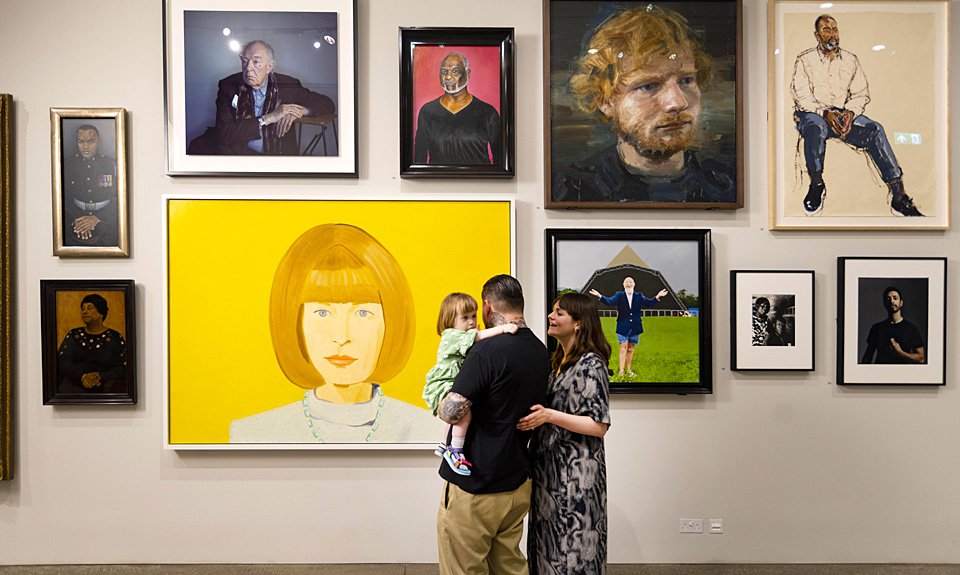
point(457, 127)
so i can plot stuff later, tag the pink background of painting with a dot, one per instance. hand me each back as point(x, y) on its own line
point(484, 74)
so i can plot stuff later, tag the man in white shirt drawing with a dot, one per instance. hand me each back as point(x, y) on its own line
point(830, 92)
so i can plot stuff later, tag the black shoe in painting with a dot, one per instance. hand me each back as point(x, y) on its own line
point(813, 203)
point(902, 205)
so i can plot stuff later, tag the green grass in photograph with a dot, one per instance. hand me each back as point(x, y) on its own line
point(669, 350)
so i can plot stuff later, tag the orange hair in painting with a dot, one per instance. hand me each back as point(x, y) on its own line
point(339, 263)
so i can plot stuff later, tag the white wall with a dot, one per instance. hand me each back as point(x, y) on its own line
point(799, 469)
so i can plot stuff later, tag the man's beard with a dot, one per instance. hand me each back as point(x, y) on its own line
point(456, 89)
point(650, 145)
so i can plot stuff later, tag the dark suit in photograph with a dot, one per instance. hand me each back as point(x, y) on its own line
point(629, 319)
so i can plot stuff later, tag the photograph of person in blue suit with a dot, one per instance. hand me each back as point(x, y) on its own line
point(629, 304)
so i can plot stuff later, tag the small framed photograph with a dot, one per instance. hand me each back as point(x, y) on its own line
point(89, 182)
point(891, 321)
point(859, 124)
point(456, 102)
point(7, 306)
point(653, 292)
point(261, 89)
point(643, 104)
point(772, 320)
point(89, 341)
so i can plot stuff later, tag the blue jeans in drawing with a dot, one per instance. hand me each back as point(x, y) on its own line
point(865, 134)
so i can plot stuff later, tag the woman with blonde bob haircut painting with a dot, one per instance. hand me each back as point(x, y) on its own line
point(342, 323)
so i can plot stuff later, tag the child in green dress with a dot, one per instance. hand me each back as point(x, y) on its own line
point(457, 326)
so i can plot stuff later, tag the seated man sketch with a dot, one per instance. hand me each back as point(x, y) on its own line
point(830, 93)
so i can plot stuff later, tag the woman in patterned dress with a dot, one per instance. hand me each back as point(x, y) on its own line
point(567, 532)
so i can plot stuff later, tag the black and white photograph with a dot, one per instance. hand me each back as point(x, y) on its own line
point(772, 320)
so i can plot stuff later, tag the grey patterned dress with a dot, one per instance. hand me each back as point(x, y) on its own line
point(568, 510)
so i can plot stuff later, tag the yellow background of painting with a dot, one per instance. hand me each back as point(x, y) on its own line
point(902, 96)
point(222, 255)
point(68, 311)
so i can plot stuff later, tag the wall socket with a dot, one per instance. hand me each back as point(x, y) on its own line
point(691, 526)
point(716, 526)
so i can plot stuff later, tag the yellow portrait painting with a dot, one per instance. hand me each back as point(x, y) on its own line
point(312, 323)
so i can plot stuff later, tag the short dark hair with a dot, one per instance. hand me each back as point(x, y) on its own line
point(98, 302)
point(504, 293)
point(761, 300)
point(892, 288)
point(88, 128)
point(816, 23)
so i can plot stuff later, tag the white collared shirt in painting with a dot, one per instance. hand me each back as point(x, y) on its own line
point(820, 84)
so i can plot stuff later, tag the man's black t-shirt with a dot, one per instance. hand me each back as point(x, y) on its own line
point(503, 377)
point(460, 138)
point(904, 332)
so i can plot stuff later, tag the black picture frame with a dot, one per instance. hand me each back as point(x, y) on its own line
point(783, 336)
point(677, 260)
point(68, 351)
point(421, 51)
point(315, 48)
point(583, 166)
point(916, 320)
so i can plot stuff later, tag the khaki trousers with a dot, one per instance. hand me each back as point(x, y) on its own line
point(480, 534)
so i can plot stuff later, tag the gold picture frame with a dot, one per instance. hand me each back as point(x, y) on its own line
point(89, 174)
point(6, 287)
point(888, 167)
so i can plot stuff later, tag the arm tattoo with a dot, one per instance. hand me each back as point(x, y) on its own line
point(453, 407)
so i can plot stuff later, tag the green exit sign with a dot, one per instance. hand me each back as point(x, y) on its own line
point(907, 138)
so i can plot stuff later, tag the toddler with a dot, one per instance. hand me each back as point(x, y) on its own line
point(457, 326)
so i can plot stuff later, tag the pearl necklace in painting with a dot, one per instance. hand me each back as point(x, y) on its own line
point(313, 428)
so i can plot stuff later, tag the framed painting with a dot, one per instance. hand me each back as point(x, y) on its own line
point(89, 342)
point(456, 102)
point(653, 293)
point(338, 329)
point(89, 151)
point(859, 124)
point(772, 320)
point(643, 104)
point(891, 321)
point(6, 287)
point(261, 90)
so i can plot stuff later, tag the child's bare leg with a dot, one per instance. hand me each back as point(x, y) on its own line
point(459, 432)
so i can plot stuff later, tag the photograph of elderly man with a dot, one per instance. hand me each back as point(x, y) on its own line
point(261, 83)
point(632, 118)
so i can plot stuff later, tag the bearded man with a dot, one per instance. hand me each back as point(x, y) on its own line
point(457, 128)
point(830, 93)
point(643, 74)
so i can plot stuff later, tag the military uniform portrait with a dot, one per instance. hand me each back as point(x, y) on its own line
point(90, 182)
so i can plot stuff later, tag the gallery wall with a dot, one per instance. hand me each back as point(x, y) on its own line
point(799, 469)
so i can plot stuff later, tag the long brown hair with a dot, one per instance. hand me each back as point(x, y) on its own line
point(583, 309)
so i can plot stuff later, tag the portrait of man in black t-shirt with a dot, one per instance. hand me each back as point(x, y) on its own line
point(458, 128)
point(895, 340)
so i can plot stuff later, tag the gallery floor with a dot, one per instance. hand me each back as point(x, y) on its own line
point(425, 569)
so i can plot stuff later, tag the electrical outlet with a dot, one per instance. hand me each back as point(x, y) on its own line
point(716, 526)
point(691, 526)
